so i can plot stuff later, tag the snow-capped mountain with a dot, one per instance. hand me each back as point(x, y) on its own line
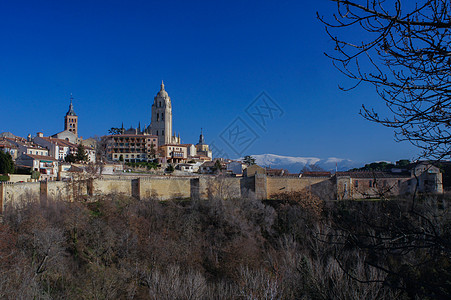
point(296, 164)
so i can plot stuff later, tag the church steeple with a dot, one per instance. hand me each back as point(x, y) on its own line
point(71, 119)
point(201, 138)
point(71, 112)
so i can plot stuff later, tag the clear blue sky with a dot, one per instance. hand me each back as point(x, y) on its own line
point(215, 57)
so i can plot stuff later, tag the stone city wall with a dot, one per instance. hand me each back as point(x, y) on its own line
point(163, 188)
point(159, 187)
point(15, 194)
point(322, 186)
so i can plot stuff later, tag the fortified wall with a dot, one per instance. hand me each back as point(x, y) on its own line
point(163, 188)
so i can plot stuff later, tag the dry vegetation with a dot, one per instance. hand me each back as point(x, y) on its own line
point(295, 248)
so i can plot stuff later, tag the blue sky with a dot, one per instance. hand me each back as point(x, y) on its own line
point(215, 58)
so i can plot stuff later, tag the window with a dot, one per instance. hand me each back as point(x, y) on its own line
point(371, 183)
point(162, 116)
point(157, 132)
point(356, 183)
point(162, 132)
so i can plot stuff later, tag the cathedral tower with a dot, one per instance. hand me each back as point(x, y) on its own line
point(161, 119)
point(71, 119)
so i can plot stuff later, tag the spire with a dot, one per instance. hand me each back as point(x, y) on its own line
point(201, 137)
point(71, 112)
point(162, 86)
point(139, 126)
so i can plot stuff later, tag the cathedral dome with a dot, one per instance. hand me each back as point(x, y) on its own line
point(162, 93)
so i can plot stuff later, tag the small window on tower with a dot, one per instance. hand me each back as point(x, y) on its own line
point(162, 116)
point(157, 132)
point(162, 132)
point(160, 103)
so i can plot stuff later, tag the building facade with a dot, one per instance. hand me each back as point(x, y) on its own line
point(161, 119)
point(27, 147)
point(47, 166)
point(131, 147)
point(173, 153)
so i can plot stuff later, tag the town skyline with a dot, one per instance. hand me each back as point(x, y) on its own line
point(114, 70)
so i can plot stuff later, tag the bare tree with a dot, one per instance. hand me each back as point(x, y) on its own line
point(403, 49)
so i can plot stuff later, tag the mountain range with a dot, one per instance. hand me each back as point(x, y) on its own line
point(296, 164)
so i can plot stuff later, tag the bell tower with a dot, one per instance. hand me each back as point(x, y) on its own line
point(161, 119)
point(71, 119)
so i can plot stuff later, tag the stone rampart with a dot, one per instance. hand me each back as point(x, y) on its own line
point(15, 194)
point(164, 188)
point(160, 188)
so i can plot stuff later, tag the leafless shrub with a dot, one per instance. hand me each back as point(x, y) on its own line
point(174, 284)
point(258, 284)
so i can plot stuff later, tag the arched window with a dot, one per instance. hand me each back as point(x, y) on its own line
point(162, 116)
point(160, 103)
point(157, 132)
point(162, 132)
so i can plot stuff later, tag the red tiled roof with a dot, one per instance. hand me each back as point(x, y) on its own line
point(173, 145)
point(40, 157)
point(316, 174)
point(60, 142)
point(373, 174)
point(25, 143)
point(133, 135)
point(7, 144)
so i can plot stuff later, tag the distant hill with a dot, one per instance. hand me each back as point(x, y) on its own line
point(296, 164)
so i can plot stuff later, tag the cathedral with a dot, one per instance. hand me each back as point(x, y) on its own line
point(142, 144)
point(161, 119)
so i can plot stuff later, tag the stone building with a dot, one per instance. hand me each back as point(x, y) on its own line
point(8, 147)
point(70, 132)
point(47, 166)
point(25, 146)
point(161, 128)
point(71, 119)
point(58, 148)
point(423, 178)
point(131, 147)
point(202, 149)
point(161, 119)
point(173, 153)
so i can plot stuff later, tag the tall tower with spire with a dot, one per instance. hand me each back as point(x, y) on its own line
point(71, 119)
point(161, 119)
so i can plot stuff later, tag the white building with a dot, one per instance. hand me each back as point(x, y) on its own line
point(46, 165)
point(59, 148)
